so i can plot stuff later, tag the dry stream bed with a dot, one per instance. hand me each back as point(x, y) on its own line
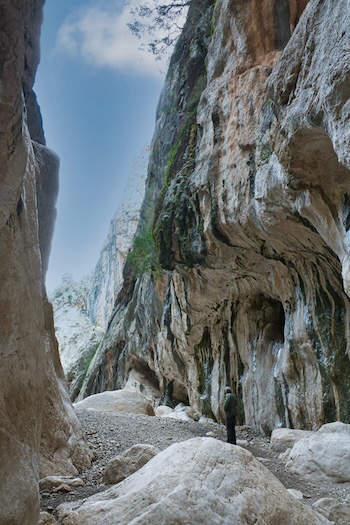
point(110, 434)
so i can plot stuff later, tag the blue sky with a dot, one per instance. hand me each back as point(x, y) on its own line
point(98, 96)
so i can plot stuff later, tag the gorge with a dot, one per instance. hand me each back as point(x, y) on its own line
point(246, 197)
point(239, 272)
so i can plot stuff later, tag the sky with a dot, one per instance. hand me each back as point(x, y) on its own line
point(98, 94)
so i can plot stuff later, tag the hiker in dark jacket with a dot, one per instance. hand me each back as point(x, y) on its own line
point(230, 412)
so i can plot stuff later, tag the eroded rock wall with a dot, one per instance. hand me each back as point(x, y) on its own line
point(251, 225)
point(107, 278)
point(38, 430)
point(130, 346)
point(82, 308)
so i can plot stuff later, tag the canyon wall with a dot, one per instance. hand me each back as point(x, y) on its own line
point(82, 308)
point(247, 200)
point(107, 278)
point(78, 338)
point(39, 432)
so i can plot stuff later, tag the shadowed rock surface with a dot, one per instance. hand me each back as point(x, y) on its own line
point(39, 430)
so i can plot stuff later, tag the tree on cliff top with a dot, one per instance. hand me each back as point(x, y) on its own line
point(163, 23)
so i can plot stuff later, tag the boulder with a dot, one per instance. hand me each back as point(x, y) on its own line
point(63, 488)
point(128, 401)
point(163, 411)
point(47, 519)
point(181, 411)
point(50, 482)
point(192, 413)
point(334, 510)
point(179, 414)
point(283, 438)
point(337, 426)
point(128, 462)
point(201, 480)
point(324, 456)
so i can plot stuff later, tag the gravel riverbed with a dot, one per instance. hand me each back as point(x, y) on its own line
point(109, 434)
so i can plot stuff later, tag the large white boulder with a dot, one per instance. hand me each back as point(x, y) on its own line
point(124, 400)
point(324, 456)
point(337, 426)
point(333, 509)
point(283, 438)
point(128, 462)
point(163, 411)
point(181, 411)
point(198, 481)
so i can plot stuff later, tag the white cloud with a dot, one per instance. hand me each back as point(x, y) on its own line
point(101, 36)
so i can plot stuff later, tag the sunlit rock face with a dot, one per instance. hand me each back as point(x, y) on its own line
point(38, 430)
point(78, 338)
point(82, 308)
point(250, 220)
point(107, 278)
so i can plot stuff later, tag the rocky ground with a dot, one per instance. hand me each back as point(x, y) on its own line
point(110, 434)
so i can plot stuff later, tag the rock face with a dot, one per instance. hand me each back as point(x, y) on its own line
point(107, 278)
point(247, 198)
point(82, 309)
point(78, 337)
point(39, 429)
point(210, 481)
point(128, 462)
point(117, 401)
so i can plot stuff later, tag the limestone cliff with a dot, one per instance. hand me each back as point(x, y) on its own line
point(78, 338)
point(247, 198)
point(107, 278)
point(38, 430)
point(82, 308)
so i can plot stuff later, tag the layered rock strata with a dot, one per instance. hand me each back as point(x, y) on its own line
point(38, 430)
point(249, 204)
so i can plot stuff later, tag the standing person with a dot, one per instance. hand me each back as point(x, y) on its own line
point(230, 412)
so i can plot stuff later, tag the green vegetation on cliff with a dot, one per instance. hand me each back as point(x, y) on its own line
point(143, 256)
